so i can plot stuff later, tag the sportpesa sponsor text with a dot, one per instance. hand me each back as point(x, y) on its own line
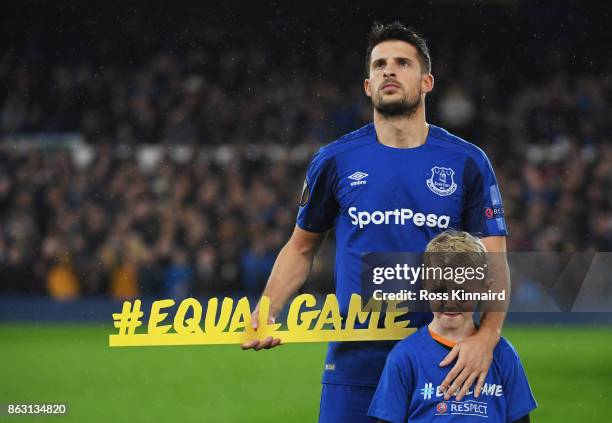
point(397, 217)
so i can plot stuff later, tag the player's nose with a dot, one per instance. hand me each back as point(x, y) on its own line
point(389, 71)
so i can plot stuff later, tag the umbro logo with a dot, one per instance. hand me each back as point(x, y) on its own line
point(358, 178)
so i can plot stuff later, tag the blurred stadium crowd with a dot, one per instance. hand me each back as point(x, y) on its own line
point(188, 162)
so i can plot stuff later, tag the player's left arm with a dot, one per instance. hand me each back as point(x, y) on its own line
point(483, 215)
point(475, 353)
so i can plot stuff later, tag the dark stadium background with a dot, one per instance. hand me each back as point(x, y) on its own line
point(158, 149)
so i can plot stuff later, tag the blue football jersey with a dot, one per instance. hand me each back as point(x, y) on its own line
point(385, 199)
point(409, 386)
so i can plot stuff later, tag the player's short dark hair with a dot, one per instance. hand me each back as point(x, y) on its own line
point(397, 31)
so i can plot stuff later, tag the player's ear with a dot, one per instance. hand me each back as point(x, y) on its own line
point(427, 83)
point(367, 87)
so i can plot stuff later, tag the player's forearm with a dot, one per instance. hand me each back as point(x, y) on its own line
point(491, 325)
point(494, 314)
point(289, 273)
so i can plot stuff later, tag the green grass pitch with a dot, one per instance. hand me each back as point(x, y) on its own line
point(570, 370)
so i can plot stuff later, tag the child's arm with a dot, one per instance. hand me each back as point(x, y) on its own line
point(516, 388)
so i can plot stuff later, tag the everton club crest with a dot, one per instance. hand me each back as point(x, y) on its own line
point(441, 181)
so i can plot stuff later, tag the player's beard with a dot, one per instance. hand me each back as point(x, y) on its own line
point(405, 106)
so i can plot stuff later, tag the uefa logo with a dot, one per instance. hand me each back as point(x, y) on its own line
point(441, 407)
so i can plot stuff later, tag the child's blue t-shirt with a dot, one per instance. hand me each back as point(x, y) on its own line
point(409, 386)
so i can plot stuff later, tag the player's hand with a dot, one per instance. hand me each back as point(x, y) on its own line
point(474, 356)
point(260, 344)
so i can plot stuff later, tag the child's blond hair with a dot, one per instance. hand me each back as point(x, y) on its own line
point(444, 248)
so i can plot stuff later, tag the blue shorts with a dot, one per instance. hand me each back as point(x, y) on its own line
point(345, 403)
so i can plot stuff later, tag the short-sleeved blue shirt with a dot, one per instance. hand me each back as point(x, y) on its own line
point(385, 199)
point(409, 386)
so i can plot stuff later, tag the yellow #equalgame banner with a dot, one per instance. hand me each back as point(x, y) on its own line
point(233, 324)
